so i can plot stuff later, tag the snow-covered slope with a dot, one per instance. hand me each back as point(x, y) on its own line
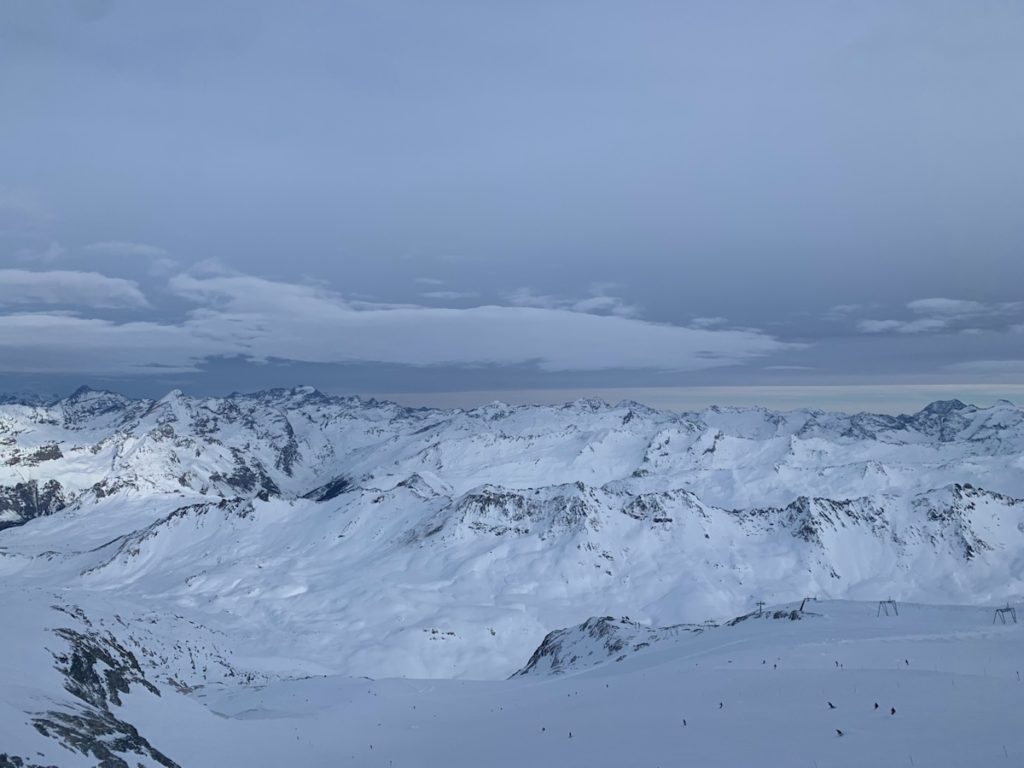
point(935, 686)
point(446, 543)
point(288, 533)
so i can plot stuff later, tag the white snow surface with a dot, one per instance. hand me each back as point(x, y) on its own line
point(750, 694)
point(262, 553)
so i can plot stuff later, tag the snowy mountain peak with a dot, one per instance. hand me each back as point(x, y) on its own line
point(943, 407)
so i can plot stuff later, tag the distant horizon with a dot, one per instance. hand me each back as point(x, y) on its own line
point(894, 399)
point(891, 399)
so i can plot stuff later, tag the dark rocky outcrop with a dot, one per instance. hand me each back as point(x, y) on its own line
point(595, 641)
point(329, 490)
point(49, 452)
point(97, 669)
point(13, 761)
point(29, 500)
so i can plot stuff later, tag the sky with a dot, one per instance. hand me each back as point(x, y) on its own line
point(445, 201)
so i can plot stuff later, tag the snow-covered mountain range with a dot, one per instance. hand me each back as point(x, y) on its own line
point(289, 533)
point(446, 542)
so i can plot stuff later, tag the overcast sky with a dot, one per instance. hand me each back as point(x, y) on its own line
point(433, 198)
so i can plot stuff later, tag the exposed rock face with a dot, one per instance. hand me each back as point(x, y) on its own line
point(603, 639)
point(13, 761)
point(97, 669)
point(25, 501)
point(329, 490)
point(546, 511)
point(596, 641)
point(31, 458)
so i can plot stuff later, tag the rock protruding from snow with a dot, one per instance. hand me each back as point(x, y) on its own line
point(22, 502)
point(596, 641)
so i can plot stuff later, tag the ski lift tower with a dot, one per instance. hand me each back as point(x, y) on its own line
point(1002, 613)
point(804, 602)
point(886, 606)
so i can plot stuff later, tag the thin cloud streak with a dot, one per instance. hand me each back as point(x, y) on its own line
point(937, 315)
point(127, 249)
point(69, 288)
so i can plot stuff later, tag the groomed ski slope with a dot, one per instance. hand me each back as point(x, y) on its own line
point(752, 694)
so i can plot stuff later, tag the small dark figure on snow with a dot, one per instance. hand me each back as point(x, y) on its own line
point(684, 721)
point(907, 662)
point(831, 705)
point(839, 732)
point(892, 711)
point(570, 734)
point(720, 705)
point(876, 705)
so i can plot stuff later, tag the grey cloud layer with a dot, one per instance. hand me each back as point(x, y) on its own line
point(68, 324)
point(943, 315)
point(68, 288)
point(583, 191)
point(262, 319)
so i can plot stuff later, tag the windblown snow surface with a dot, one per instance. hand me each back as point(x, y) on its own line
point(288, 578)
